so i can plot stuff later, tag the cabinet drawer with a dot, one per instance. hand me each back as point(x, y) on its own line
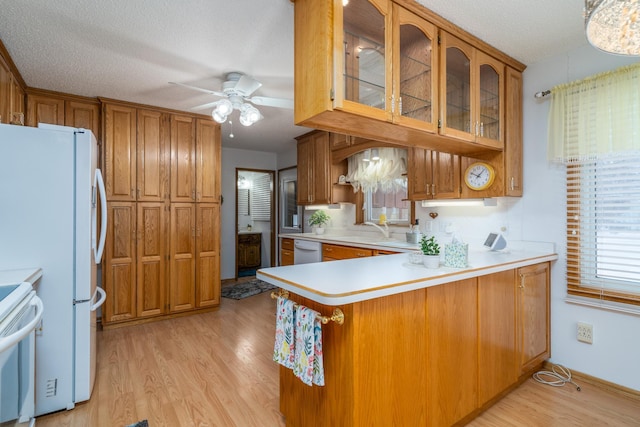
point(249, 238)
point(286, 244)
point(344, 252)
point(286, 257)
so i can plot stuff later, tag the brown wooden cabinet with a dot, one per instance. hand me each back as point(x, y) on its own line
point(335, 252)
point(497, 355)
point(513, 134)
point(62, 109)
point(12, 98)
point(249, 252)
point(471, 93)
point(532, 315)
point(286, 251)
point(182, 295)
point(452, 348)
point(432, 175)
point(119, 264)
point(165, 165)
point(380, 73)
point(317, 174)
point(455, 352)
point(207, 254)
point(314, 163)
point(151, 256)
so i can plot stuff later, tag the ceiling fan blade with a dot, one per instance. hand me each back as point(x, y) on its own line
point(246, 85)
point(210, 92)
point(272, 102)
point(204, 106)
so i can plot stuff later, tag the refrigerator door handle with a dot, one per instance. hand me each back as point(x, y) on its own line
point(99, 182)
point(103, 297)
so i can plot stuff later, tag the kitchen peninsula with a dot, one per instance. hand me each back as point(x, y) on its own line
point(418, 347)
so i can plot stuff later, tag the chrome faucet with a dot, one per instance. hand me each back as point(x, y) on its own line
point(384, 231)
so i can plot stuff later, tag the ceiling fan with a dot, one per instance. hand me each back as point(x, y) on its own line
point(236, 95)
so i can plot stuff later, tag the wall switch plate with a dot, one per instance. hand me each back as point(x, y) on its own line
point(585, 333)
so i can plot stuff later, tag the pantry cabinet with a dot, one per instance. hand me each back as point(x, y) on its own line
point(151, 256)
point(119, 263)
point(432, 175)
point(166, 166)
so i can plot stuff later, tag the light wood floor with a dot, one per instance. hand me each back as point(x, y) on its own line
point(215, 369)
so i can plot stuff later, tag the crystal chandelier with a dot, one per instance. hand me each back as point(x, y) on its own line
point(613, 25)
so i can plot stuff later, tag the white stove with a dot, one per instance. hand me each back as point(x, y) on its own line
point(20, 313)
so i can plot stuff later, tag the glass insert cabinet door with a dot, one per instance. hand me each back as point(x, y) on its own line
point(365, 79)
point(415, 67)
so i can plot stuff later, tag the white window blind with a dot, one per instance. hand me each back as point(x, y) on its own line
point(603, 234)
point(261, 198)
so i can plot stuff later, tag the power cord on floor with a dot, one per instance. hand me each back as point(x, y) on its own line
point(555, 378)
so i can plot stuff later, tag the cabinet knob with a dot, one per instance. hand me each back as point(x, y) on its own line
point(433, 189)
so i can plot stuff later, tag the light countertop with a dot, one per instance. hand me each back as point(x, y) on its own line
point(352, 280)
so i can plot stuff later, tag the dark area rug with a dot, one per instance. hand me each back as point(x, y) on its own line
point(142, 423)
point(245, 289)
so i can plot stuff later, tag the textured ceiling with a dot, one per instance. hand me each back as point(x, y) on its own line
point(131, 49)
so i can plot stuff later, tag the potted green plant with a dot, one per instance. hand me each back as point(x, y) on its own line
point(318, 219)
point(430, 251)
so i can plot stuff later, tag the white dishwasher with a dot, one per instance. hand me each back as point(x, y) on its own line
point(305, 252)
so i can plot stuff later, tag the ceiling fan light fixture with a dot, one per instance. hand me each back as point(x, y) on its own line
point(249, 115)
point(222, 109)
point(613, 26)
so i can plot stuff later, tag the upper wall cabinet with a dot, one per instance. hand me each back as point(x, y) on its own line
point(472, 93)
point(374, 69)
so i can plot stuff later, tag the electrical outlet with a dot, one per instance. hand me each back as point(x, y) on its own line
point(585, 332)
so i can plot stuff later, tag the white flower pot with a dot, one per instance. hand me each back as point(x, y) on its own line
point(431, 261)
point(319, 230)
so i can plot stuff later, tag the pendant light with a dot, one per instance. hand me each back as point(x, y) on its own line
point(613, 26)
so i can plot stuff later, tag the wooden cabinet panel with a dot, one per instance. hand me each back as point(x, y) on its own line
point(151, 250)
point(182, 257)
point(452, 345)
point(533, 315)
point(17, 104)
point(335, 252)
point(119, 159)
point(432, 175)
point(208, 154)
point(120, 263)
point(513, 134)
point(83, 115)
point(207, 254)
point(152, 147)
point(249, 251)
point(304, 168)
point(183, 167)
point(5, 92)
point(286, 251)
point(497, 368)
point(44, 109)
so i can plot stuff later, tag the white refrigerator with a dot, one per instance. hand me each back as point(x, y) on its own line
point(50, 192)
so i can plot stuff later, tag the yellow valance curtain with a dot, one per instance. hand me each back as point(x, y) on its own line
point(595, 117)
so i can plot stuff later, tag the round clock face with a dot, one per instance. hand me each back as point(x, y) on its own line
point(479, 176)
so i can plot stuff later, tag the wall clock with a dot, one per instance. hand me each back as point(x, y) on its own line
point(479, 176)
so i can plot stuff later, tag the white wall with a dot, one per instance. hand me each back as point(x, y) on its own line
point(615, 352)
point(232, 159)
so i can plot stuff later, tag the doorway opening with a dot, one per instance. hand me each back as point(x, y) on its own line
point(255, 221)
